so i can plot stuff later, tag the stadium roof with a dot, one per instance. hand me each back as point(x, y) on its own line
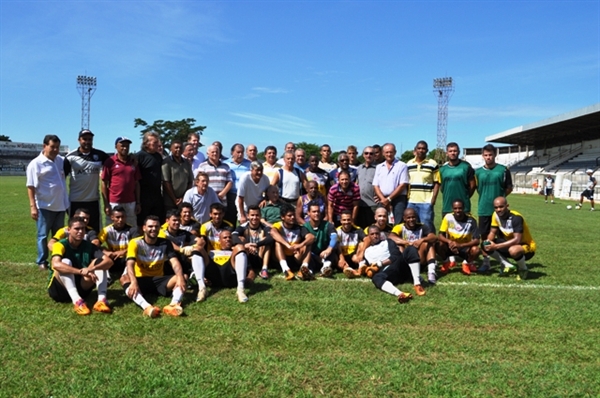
point(568, 128)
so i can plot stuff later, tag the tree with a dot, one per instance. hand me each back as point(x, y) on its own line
point(310, 149)
point(437, 154)
point(170, 130)
point(407, 155)
point(5, 138)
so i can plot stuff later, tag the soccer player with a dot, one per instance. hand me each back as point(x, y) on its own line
point(188, 222)
point(78, 266)
point(210, 230)
point(292, 244)
point(115, 237)
point(549, 188)
point(457, 180)
point(421, 237)
point(90, 233)
point(257, 240)
point(226, 266)
point(271, 212)
point(395, 267)
point(350, 246)
point(493, 180)
point(509, 237)
point(459, 235)
point(323, 246)
point(146, 258)
point(589, 191)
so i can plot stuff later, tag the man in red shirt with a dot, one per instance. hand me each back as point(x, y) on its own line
point(120, 181)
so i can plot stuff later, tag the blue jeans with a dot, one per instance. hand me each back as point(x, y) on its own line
point(425, 213)
point(398, 207)
point(47, 221)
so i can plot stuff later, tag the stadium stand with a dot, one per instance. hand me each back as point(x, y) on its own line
point(15, 156)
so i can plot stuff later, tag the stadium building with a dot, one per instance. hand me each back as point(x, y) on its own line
point(564, 146)
point(15, 156)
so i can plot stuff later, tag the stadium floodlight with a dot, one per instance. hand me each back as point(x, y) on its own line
point(86, 85)
point(443, 88)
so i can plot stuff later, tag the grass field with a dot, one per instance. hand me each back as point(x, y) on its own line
point(469, 336)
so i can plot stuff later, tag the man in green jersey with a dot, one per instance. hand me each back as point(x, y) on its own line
point(493, 180)
point(457, 180)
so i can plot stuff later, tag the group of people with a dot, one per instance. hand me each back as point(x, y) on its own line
point(222, 222)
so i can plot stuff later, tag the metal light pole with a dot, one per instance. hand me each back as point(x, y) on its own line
point(86, 86)
point(442, 88)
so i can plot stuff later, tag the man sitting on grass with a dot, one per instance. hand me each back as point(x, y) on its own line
point(90, 234)
point(78, 266)
point(116, 237)
point(323, 247)
point(257, 240)
point(350, 246)
point(146, 258)
point(226, 266)
point(292, 245)
point(509, 238)
point(458, 236)
point(394, 267)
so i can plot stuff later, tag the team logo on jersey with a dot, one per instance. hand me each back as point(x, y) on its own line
point(95, 157)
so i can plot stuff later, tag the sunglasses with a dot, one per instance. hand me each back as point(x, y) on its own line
point(368, 153)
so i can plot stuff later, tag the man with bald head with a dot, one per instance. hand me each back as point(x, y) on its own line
point(391, 182)
point(251, 152)
point(509, 237)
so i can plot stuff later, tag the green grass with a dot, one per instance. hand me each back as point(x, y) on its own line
point(487, 337)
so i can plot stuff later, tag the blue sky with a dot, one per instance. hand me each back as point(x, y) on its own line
point(269, 72)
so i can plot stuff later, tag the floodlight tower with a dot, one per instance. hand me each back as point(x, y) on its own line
point(443, 88)
point(86, 86)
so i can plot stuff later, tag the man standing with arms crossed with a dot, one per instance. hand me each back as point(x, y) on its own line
point(391, 182)
point(457, 180)
point(493, 180)
point(47, 192)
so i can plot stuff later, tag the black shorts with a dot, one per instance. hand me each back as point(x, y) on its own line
point(118, 268)
point(485, 224)
point(255, 262)
point(154, 285)
point(293, 263)
point(58, 292)
point(221, 275)
point(588, 193)
point(349, 261)
point(548, 191)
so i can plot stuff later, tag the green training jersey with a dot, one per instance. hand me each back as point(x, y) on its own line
point(491, 183)
point(455, 185)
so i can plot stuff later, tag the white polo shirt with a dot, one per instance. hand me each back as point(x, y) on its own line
point(48, 179)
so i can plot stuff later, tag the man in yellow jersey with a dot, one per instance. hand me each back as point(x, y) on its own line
point(146, 258)
point(509, 237)
point(78, 266)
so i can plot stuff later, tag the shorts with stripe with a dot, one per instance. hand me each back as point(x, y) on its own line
point(58, 292)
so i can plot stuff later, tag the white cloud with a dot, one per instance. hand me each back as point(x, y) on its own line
point(283, 124)
point(270, 90)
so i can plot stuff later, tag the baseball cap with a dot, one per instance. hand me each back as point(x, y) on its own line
point(84, 132)
point(589, 171)
point(122, 139)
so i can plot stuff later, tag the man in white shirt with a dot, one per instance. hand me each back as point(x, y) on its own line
point(251, 189)
point(47, 191)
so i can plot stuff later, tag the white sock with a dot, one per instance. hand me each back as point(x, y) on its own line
point(101, 284)
point(415, 269)
point(139, 300)
point(452, 259)
point(198, 267)
point(177, 294)
point(498, 257)
point(241, 266)
point(284, 265)
point(431, 268)
point(521, 263)
point(69, 284)
point(391, 289)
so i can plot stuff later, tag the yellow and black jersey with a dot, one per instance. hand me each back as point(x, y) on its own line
point(384, 232)
point(211, 233)
point(150, 258)
point(63, 233)
point(348, 241)
point(293, 236)
point(220, 257)
point(180, 237)
point(513, 222)
point(116, 240)
point(460, 231)
point(410, 235)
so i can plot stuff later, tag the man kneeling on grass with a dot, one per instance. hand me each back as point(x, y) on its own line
point(509, 238)
point(146, 258)
point(394, 267)
point(224, 267)
point(78, 265)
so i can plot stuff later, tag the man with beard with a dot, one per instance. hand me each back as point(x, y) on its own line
point(257, 240)
point(350, 246)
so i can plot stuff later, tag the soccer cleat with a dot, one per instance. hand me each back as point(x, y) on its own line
point(472, 267)
point(102, 306)
point(326, 270)
point(81, 308)
point(522, 275)
point(592, 209)
point(404, 297)
point(577, 207)
point(172, 310)
point(419, 290)
point(362, 269)
point(506, 270)
point(264, 274)
point(350, 273)
point(484, 269)
point(431, 278)
point(289, 275)
point(552, 201)
point(371, 270)
point(151, 312)
point(241, 296)
point(446, 265)
point(202, 294)
point(305, 273)
point(466, 269)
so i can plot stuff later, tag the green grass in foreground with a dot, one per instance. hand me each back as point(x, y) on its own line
point(491, 337)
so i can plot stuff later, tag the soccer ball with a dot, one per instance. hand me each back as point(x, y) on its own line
point(569, 207)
